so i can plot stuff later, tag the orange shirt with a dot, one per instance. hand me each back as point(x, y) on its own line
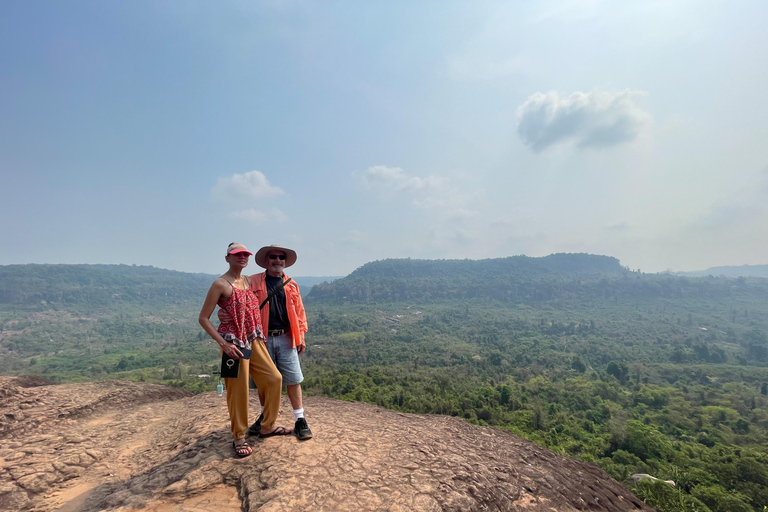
point(293, 305)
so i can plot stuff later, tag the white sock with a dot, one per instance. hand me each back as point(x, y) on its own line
point(298, 413)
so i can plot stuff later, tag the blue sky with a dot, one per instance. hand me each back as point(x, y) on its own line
point(155, 133)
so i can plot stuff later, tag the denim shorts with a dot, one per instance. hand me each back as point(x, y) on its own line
point(286, 358)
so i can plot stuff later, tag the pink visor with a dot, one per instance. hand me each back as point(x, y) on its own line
point(237, 249)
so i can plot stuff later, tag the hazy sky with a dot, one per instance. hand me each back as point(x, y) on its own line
point(155, 133)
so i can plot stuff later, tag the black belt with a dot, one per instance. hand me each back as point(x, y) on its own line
point(278, 332)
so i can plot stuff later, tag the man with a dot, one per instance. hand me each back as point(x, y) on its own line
point(287, 323)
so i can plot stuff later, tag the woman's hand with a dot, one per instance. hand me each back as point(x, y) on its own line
point(231, 350)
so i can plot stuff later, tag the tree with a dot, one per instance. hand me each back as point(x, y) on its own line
point(618, 370)
point(504, 395)
point(647, 442)
point(667, 498)
point(720, 500)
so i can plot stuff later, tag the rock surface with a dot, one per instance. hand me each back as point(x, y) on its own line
point(128, 446)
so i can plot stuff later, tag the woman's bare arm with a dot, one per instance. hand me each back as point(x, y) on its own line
point(218, 288)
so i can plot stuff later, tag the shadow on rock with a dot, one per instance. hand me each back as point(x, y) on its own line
point(206, 463)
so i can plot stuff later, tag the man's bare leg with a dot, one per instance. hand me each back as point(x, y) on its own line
point(294, 395)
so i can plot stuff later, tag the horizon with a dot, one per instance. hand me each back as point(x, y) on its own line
point(337, 276)
point(156, 133)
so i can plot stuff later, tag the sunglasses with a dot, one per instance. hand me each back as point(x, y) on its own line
point(277, 256)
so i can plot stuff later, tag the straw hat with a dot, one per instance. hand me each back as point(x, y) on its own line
point(262, 258)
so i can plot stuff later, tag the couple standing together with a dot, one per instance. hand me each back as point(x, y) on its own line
point(262, 324)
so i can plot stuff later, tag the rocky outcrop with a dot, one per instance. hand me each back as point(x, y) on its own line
point(126, 446)
point(28, 403)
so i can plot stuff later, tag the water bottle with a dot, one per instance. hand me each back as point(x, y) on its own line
point(220, 389)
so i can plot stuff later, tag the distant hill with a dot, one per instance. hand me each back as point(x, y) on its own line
point(554, 264)
point(517, 279)
point(306, 283)
point(94, 312)
point(99, 285)
point(730, 271)
point(513, 278)
point(103, 285)
point(109, 318)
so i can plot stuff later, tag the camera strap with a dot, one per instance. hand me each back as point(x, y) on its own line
point(274, 291)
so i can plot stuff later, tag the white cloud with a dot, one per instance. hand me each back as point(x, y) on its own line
point(253, 216)
point(433, 194)
point(249, 188)
point(251, 185)
point(621, 226)
point(463, 213)
point(441, 205)
point(394, 178)
point(596, 119)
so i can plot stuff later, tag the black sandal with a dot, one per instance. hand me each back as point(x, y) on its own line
point(241, 447)
point(279, 431)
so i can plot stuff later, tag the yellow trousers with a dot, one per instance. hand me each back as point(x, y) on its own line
point(269, 382)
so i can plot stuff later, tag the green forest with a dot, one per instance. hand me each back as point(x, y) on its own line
point(638, 373)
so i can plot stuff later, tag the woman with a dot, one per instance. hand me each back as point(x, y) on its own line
point(241, 334)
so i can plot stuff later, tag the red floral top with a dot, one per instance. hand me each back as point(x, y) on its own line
point(245, 326)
